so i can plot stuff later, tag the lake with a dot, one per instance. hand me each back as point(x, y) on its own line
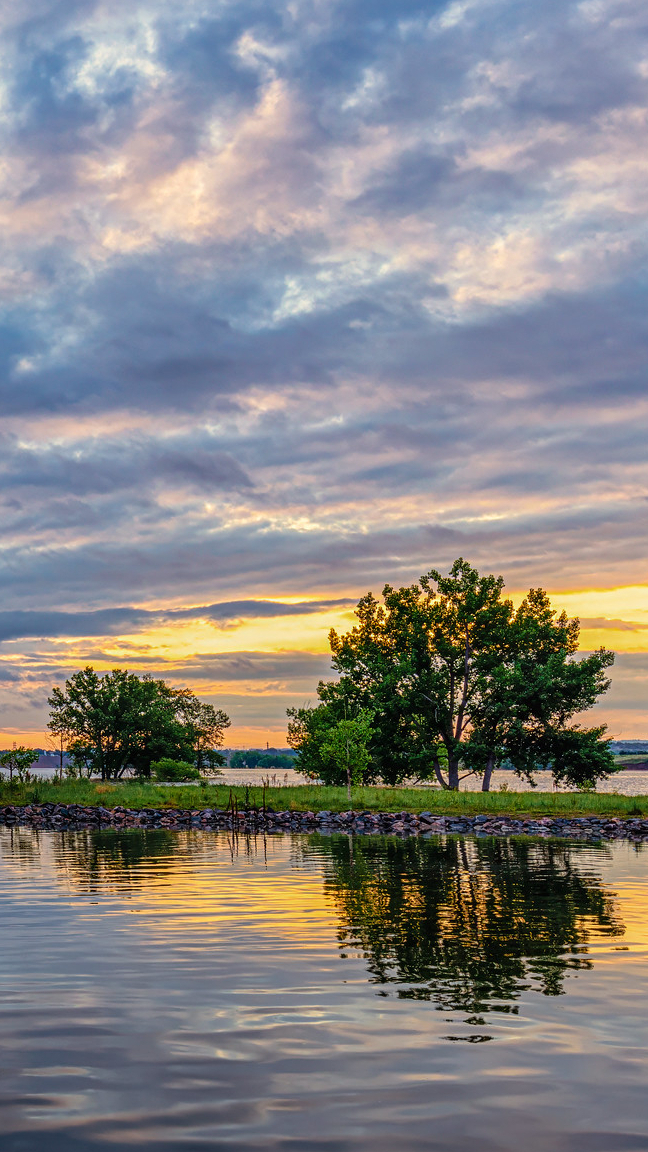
point(175, 991)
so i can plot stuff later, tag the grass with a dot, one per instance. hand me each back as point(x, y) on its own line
point(305, 797)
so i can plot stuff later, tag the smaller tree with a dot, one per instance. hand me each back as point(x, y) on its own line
point(331, 748)
point(81, 760)
point(18, 761)
point(307, 730)
point(347, 745)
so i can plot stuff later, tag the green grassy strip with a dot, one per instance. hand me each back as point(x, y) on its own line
point(315, 797)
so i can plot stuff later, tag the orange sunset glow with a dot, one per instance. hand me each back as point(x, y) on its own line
point(263, 666)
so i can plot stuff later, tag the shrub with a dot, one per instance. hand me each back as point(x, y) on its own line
point(173, 770)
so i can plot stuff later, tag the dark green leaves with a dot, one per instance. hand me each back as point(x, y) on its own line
point(457, 681)
point(120, 722)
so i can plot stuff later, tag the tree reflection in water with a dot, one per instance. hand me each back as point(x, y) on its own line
point(92, 859)
point(467, 923)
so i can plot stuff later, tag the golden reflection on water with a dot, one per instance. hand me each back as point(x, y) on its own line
point(414, 910)
point(177, 878)
point(167, 990)
point(630, 895)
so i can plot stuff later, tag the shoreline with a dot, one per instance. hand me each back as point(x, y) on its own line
point(63, 817)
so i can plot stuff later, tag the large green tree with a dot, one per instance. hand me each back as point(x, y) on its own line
point(120, 722)
point(457, 680)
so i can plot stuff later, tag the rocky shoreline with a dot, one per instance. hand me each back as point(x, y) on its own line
point(74, 816)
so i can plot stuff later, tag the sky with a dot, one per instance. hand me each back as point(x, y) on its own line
point(297, 298)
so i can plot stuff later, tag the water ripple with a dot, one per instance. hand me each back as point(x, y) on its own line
point(172, 990)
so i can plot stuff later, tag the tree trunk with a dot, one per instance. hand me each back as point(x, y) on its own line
point(453, 775)
point(488, 772)
point(439, 775)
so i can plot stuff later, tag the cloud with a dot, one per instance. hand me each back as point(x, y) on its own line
point(104, 467)
point(628, 691)
point(276, 671)
point(296, 299)
point(114, 621)
point(613, 625)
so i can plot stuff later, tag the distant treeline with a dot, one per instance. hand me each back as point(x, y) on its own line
point(260, 758)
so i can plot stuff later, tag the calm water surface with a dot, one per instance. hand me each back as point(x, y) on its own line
point(176, 991)
point(626, 783)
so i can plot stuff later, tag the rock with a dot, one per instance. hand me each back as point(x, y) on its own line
point(61, 816)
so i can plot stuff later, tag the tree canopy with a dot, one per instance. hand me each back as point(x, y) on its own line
point(459, 681)
point(332, 748)
point(120, 722)
point(18, 762)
